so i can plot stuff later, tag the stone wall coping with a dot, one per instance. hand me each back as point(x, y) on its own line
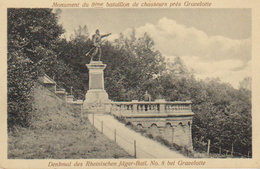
point(76, 102)
point(60, 92)
point(47, 80)
point(138, 114)
point(79, 101)
point(60, 89)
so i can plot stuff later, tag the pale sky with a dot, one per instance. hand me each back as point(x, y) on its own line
point(213, 42)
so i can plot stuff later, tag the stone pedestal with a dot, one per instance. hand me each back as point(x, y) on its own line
point(96, 97)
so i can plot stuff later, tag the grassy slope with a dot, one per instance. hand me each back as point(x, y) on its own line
point(58, 132)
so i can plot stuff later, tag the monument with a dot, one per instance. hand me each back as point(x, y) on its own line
point(96, 97)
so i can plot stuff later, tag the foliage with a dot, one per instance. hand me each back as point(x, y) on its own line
point(72, 54)
point(32, 31)
point(246, 83)
point(80, 34)
point(32, 35)
point(131, 66)
point(19, 89)
point(224, 117)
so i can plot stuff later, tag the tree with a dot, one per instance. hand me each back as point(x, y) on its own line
point(80, 34)
point(223, 115)
point(32, 35)
point(177, 68)
point(73, 54)
point(31, 31)
point(137, 62)
point(246, 83)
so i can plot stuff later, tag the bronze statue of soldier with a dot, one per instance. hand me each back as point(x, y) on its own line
point(96, 39)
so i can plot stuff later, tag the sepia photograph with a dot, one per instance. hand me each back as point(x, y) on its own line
point(132, 86)
point(129, 83)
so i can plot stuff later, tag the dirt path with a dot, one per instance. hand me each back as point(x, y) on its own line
point(145, 147)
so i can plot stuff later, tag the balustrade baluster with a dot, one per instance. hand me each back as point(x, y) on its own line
point(150, 107)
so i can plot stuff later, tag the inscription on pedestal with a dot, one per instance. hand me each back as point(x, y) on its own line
point(96, 81)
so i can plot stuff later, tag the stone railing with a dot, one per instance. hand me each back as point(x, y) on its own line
point(157, 106)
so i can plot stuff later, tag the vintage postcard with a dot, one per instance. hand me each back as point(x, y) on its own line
point(129, 84)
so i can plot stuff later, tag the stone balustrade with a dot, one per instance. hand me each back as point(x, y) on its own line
point(157, 106)
point(171, 120)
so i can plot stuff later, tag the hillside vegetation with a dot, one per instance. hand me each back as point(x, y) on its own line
point(58, 132)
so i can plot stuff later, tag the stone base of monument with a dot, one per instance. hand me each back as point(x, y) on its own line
point(96, 98)
point(96, 101)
